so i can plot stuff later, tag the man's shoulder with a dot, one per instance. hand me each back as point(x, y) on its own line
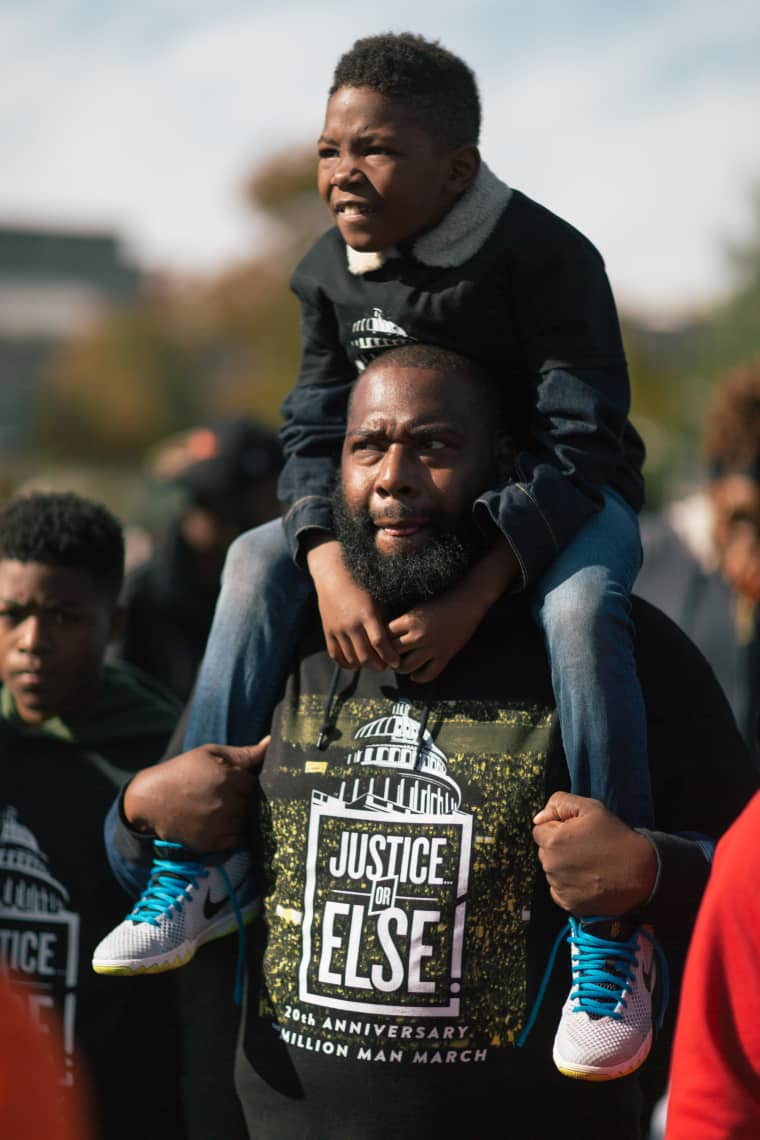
point(664, 650)
point(680, 687)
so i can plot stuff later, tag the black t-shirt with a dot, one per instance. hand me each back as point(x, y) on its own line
point(407, 919)
point(58, 898)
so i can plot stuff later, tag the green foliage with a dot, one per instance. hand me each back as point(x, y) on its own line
point(673, 372)
point(186, 352)
point(112, 392)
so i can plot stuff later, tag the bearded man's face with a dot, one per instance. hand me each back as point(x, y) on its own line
point(418, 451)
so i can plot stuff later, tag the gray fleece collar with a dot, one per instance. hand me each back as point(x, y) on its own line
point(455, 239)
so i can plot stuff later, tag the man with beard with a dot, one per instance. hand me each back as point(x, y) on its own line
point(415, 845)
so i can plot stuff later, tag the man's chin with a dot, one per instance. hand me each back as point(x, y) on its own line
point(399, 570)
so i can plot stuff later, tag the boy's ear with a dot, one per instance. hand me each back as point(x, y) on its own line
point(465, 164)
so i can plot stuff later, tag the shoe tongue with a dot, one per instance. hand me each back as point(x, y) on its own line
point(611, 929)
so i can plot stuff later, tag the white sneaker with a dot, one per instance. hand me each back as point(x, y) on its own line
point(605, 1030)
point(185, 904)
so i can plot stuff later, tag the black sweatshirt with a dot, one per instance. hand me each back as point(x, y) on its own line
point(407, 920)
point(502, 280)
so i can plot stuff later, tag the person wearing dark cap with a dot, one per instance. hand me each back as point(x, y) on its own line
point(228, 475)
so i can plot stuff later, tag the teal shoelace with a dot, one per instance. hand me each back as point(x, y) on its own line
point(167, 888)
point(602, 969)
point(166, 891)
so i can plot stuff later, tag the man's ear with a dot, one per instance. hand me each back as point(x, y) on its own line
point(118, 621)
point(465, 164)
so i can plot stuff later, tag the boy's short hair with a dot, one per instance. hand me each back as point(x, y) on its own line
point(438, 87)
point(64, 529)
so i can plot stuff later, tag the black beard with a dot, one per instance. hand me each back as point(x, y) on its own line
point(399, 581)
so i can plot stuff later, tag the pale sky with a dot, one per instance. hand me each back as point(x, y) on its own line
point(636, 120)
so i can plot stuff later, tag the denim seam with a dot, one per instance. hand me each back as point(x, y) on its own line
point(515, 551)
point(304, 499)
point(547, 524)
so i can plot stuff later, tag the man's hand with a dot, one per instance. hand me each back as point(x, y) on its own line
point(354, 624)
point(428, 636)
point(594, 863)
point(200, 798)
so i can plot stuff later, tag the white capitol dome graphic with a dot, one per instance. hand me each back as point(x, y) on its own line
point(376, 332)
point(25, 882)
point(409, 772)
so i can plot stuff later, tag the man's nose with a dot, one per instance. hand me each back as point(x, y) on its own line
point(397, 475)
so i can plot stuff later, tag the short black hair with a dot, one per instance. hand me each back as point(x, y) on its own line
point(64, 529)
point(438, 87)
point(488, 387)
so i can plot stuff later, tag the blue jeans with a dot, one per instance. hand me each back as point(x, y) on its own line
point(583, 606)
point(253, 636)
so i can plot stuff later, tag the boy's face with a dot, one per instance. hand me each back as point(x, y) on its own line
point(385, 179)
point(54, 629)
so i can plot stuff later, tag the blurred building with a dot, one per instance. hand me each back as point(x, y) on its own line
point(53, 284)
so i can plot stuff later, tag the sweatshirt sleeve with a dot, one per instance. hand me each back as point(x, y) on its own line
point(579, 397)
point(129, 852)
point(314, 414)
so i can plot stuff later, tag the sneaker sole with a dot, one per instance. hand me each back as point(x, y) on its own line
point(181, 954)
point(595, 1073)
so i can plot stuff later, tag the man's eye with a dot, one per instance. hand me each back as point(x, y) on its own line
point(326, 152)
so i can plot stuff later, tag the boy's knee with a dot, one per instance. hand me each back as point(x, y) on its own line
point(255, 551)
point(582, 607)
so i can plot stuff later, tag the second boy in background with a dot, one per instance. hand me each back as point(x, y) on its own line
point(430, 246)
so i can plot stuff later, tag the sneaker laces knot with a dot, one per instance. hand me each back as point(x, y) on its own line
point(602, 971)
point(168, 887)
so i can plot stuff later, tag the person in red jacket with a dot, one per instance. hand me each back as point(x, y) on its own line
point(715, 1071)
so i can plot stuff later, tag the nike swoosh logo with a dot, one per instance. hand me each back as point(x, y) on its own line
point(212, 907)
point(648, 975)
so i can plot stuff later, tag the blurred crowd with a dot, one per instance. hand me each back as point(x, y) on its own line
point(701, 566)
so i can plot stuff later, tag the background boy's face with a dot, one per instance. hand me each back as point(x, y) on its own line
point(384, 178)
point(54, 629)
point(736, 513)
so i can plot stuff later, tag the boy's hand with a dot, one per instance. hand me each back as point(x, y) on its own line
point(428, 636)
point(200, 798)
point(353, 623)
point(433, 632)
